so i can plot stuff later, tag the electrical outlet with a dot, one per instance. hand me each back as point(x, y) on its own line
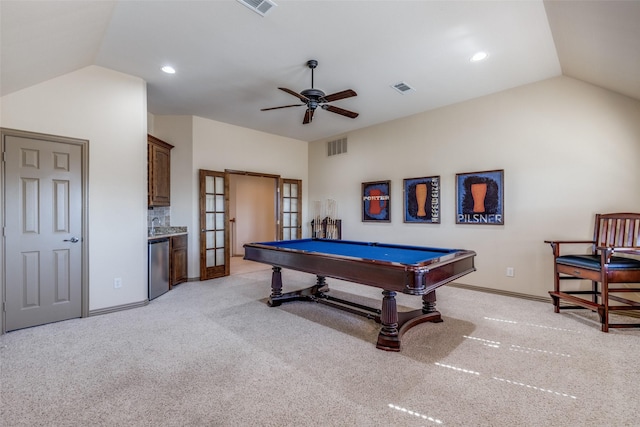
point(117, 283)
point(510, 272)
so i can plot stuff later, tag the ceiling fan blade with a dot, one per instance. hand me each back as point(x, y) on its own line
point(308, 116)
point(284, 106)
point(296, 94)
point(339, 95)
point(340, 111)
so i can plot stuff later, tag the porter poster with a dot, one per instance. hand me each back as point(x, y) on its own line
point(375, 201)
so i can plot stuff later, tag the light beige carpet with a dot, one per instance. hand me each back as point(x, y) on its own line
point(214, 354)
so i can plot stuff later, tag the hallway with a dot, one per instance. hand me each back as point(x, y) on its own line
point(241, 266)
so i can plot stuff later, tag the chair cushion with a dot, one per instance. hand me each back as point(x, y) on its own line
point(593, 262)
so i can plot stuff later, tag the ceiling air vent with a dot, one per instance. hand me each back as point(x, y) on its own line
point(339, 146)
point(260, 7)
point(403, 87)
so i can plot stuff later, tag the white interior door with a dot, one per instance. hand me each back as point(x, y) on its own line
point(43, 234)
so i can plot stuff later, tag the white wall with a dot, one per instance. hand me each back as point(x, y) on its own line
point(219, 146)
point(568, 149)
point(108, 109)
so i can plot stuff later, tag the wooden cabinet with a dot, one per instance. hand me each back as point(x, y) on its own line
point(178, 265)
point(159, 172)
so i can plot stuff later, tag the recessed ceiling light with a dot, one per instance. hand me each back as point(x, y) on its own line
point(168, 69)
point(479, 56)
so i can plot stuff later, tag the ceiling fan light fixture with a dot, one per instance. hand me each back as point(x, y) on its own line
point(261, 7)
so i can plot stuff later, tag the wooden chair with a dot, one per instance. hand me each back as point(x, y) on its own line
point(614, 259)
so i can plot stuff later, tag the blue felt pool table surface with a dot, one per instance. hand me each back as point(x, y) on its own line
point(410, 255)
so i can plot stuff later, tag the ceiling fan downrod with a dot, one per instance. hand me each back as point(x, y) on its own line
point(312, 63)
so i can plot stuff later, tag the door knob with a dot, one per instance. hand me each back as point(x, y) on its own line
point(72, 240)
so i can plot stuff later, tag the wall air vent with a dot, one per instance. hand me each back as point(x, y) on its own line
point(403, 87)
point(339, 146)
point(260, 7)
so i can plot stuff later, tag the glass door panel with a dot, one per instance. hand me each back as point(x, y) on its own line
point(291, 202)
point(214, 254)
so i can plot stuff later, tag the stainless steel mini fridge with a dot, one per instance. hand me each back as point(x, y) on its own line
point(158, 267)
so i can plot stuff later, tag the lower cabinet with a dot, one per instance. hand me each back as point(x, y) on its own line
point(178, 249)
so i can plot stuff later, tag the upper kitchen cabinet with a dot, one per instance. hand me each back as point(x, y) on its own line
point(159, 172)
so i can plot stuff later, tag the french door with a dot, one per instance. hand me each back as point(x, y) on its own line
point(215, 236)
point(214, 229)
point(291, 209)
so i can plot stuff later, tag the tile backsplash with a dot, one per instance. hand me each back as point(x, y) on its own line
point(162, 213)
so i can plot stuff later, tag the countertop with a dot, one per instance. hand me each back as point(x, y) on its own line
point(165, 232)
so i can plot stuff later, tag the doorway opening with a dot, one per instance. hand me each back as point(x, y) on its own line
point(252, 210)
point(253, 216)
point(239, 207)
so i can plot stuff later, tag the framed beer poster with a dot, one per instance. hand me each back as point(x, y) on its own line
point(376, 198)
point(422, 200)
point(480, 197)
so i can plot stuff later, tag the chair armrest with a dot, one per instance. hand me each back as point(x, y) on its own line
point(555, 244)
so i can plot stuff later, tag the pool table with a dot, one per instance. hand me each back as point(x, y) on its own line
point(413, 270)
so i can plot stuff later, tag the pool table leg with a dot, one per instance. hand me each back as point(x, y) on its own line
point(429, 306)
point(388, 338)
point(276, 286)
point(277, 297)
point(321, 284)
point(395, 324)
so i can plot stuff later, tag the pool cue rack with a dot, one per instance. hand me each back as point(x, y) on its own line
point(328, 228)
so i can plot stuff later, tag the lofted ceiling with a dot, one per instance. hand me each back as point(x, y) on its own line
point(230, 61)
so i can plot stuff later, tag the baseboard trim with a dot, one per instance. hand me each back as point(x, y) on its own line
point(501, 292)
point(627, 313)
point(117, 308)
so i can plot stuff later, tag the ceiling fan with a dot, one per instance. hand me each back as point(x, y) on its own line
point(314, 98)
